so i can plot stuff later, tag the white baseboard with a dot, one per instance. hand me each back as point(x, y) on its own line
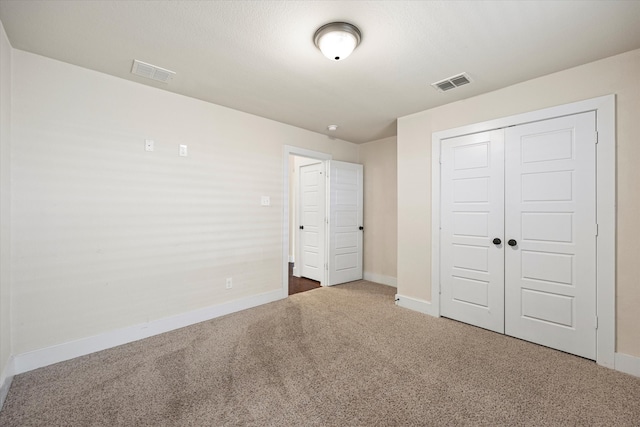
point(47, 356)
point(415, 304)
point(379, 278)
point(627, 364)
point(5, 381)
point(291, 259)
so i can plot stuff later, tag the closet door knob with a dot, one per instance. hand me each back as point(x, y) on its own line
point(497, 241)
point(302, 227)
point(512, 242)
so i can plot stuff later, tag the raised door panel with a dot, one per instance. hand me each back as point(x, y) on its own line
point(472, 270)
point(312, 215)
point(345, 220)
point(550, 212)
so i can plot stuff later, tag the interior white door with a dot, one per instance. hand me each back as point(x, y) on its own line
point(312, 221)
point(550, 292)
point(472, 269)
point(345, 222)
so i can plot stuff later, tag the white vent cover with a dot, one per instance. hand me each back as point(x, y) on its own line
point(452, 82)
point(151, 71)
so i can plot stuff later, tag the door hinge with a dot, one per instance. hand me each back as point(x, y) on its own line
point(596, 229)
point(440, 159)
point(326, 266)
point(596, 322)
point(596, 137)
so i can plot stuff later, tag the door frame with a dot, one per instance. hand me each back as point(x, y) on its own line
point(604, 107)
point(290, 150)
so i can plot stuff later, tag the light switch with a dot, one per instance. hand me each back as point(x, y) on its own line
point(266, 201)
point(148, 145)
point(183, 150)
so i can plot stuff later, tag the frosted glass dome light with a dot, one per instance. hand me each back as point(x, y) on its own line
point(337, 40)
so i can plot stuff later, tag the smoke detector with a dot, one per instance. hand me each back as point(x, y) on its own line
point(151, 71)
point(452, 82)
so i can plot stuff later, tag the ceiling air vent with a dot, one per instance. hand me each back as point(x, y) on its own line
point(151, 71)
point(452, 82)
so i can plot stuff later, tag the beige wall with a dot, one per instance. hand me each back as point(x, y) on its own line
point(616, 75)
point(106, 235)
point(379, 159)
point(5, 201)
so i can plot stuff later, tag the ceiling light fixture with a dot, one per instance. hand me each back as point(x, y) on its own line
point(332, 128)
point(337, 40)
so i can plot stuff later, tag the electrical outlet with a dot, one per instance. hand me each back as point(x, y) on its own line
point(148, 145)
point(265, 201)
point(229, 283)
point(183, 150)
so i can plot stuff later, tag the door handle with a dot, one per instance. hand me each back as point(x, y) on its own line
point(302, 227)
point(497, 241)
point(512, 242)
point(361, 228)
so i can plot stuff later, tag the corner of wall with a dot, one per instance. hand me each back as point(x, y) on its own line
point(379, 160)
point(627, 364)
point(416, 304)
point(6, 378)
point(380, 278)
point(6, 349)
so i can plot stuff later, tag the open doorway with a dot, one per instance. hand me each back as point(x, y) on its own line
point(307, 212)
point(300, 284)
point(334, 248)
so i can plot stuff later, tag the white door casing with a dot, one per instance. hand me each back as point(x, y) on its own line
point(472, 271)
point(289, 151)
point(604, 108)
point(549, 246)
point(550, 273)
point(345, 222)
point(312, 221)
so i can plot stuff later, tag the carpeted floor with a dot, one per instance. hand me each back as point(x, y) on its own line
point(341, 356)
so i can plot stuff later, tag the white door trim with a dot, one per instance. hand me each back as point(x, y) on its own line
point(295, 151)
point(604, 107)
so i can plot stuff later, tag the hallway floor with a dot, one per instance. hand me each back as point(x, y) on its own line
point(300, 284)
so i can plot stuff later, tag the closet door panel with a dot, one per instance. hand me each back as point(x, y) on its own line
point(550, 208)
point(472, 269)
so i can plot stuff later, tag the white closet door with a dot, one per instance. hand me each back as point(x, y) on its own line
point(312, 221)
point(551, 216)
point(345, 222)
point(472, 270)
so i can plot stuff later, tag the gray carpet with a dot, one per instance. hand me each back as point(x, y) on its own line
point(341, 356)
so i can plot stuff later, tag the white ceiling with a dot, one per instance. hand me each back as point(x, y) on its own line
point(259, 56)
